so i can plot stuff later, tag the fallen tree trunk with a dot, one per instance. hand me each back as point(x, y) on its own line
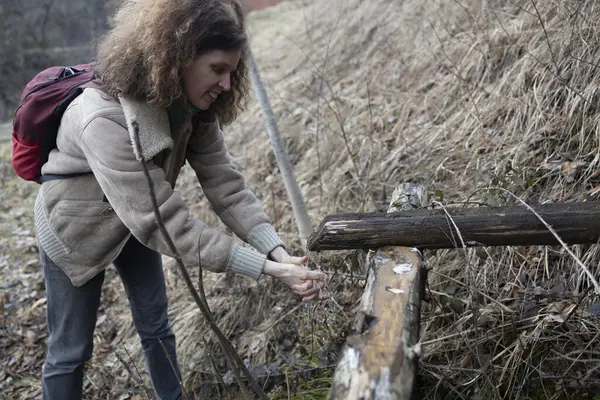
point(575, 223)
point(379, 360)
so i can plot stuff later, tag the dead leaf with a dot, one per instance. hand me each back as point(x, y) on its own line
point(457, 306)
point(570, 169)
point(560, 307)
point(451, 289)
point(484, 319)
point(101, 320)
point(557, 312)
point(558, 318)
point(551, 164)
point(466, 362)
point(524, 278)
point(30, 338)
point(38, 303)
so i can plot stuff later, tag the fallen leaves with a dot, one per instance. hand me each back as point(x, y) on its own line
point(571, 170)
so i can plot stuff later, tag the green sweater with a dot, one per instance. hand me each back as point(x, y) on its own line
point(178, 111)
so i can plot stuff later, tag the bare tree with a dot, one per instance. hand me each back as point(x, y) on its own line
point(38, 34)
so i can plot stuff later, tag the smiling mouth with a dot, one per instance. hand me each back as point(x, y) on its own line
point(213, 95)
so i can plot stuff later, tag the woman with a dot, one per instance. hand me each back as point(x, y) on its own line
point(177, 68)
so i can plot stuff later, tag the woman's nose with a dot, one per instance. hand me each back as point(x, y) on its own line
point(225, 82)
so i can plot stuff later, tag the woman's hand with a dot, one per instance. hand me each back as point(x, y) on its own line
point(291, 271)
point(280, 255)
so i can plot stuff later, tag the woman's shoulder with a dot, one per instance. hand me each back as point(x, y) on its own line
point(94, 102)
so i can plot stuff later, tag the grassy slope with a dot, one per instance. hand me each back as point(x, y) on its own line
point(461, 96)
point(465, 97)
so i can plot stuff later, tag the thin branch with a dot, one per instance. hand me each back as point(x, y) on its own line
point(458, 282)
point(174, 369)
point(134, 377)
point(318, 126)
point(214, 365)
point(201, 290)
point(336, 111)
point(453, 223)
point(547, 38)
point(232, 357)
point(545, 66)
point(562, 243)
point(146, 390)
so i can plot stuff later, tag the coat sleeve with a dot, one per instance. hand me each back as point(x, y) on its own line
point(225, 189)
point(107, 147)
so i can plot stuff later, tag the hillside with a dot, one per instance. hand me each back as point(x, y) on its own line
point(474, 99)
point(468, 98)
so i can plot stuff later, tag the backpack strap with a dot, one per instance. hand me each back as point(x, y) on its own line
point(54, 177)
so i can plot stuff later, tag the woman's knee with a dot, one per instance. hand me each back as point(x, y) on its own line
point(152, 322)
point(68, 358)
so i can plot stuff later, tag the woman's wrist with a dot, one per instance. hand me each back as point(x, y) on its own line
point(271, 268)
point(278, 254)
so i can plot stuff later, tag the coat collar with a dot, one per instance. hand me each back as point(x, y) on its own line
point(153, 121)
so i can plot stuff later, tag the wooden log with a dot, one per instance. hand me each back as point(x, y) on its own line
point(575, 223)
point(379, 360)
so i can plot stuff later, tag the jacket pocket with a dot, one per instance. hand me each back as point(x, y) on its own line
point(90, 228)
point(83, 208)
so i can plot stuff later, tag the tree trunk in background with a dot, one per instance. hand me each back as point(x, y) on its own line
point(283, 161)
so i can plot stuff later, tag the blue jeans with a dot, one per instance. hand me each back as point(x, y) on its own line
point(72, 318)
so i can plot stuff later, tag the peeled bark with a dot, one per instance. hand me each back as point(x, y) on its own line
point(380, 359)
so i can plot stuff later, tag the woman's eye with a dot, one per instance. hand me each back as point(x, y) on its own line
point(218, 70)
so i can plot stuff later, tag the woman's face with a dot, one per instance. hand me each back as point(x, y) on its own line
point(208, 76)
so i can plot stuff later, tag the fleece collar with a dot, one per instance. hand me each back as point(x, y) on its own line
point(153, 121)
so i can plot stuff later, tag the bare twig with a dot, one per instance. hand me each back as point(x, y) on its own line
point(547, 38)
point(135, 377)
point(456, 281)
point(213, 364)
point(453, 224)
point(577, 305)
point(335, 110)
point(173, 368)
point(201, 290)
point(235, 363)
point(146, 390)
point(562, 243)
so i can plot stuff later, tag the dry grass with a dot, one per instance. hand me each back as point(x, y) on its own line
point(463, 96)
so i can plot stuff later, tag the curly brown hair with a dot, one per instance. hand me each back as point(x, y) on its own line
point(151, 41)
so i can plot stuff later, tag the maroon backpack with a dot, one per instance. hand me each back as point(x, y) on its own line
point(37, 118)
